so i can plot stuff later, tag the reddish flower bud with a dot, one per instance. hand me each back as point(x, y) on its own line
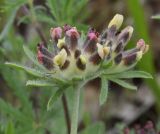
point(56, 33)
point(73, 33)
point(44, 56)
point(72, 37)
point(43, 50)
point(66, 27)
point(90, 43)
point(46, 61)
point(142, 46)
point(39, 57)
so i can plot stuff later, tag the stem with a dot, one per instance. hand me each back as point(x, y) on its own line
point(74, 123)
point(26, 11)
point(66, 113)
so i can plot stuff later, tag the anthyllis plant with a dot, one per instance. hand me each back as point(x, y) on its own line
point(75, 58)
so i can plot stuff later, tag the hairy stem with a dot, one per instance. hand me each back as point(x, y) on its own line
point(74, 123)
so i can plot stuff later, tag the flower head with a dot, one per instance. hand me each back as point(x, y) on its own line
point(75, 58)
point(75, 55)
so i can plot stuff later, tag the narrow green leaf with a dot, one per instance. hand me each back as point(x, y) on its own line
point(15, 82)
point(81, 6)
point(141, 28)
point(7, 109)
point(10, 128)
point(27, 69)
point(123, 83)
point(25, 19)
point(52, 4)
point(39, 83)
point(131, 74)
point(32, 57)
point(106, 64)
point(8, 24)
point(118, 69)
point(104, 90)
point(54, 98)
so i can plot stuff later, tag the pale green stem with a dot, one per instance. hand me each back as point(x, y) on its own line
point(75, 111)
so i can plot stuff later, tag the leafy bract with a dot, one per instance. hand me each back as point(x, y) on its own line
point(54, 98)
point(40, 83)
point(123, 83)
point(27, 69)
point(131, 74)
point(104, 90)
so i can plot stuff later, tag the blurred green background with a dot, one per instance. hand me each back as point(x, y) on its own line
point(27, 22)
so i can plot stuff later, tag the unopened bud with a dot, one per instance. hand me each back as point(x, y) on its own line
point(46, 61)
point(125, 35)
point(66, 27)
point(132, 58)
point(56, 33)
point(116, 21)
point(92, 36)
point(142, 46)
point(73, 33)
point(72, 37)
point(90, 43)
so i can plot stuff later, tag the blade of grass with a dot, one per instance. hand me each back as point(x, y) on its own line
point(146, 64)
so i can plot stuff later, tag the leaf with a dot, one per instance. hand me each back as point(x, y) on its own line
point(52, 4)
point(104, 90)
point(118, 69)
point(123, 83)
point(27, 69)
point(80, 6)
point(8, 25)
point(131, 74)
point(13, 4)
point(25, 19)
point(10, 8)
point(10, 128)
point(156, 16)
point(39, 83)
point(106, 64)
point(43, 16)
point(96, 128)
point(54, 98)
point(13, 112)
point(15, 82)
point(32, 57)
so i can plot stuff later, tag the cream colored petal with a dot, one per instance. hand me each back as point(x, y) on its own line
point(60, 58)
point(60, 43)
point(100, 50)
point(117, 21)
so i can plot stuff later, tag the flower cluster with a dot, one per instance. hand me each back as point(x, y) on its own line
point(148, 128)
point(77, 55)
